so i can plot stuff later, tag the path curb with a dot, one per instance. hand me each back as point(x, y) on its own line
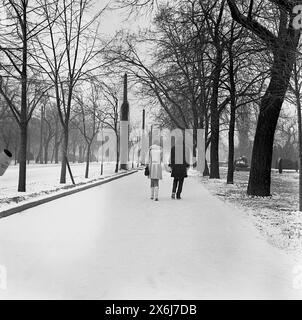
point(35, 203)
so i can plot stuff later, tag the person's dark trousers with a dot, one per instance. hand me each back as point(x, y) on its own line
point(177, 185)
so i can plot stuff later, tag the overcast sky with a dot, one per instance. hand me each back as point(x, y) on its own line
point(111, 22)
point(114, 20)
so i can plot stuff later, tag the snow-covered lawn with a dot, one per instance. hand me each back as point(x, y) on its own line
point(45, 179)
point(277, 216)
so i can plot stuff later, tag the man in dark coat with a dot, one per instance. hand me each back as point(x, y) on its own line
point(179, 167)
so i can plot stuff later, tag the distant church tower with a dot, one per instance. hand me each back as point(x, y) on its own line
point(124, 128)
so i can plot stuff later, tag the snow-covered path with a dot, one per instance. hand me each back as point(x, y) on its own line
point(113, 242)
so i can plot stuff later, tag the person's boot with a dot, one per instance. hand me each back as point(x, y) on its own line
point(152, 193)
point(178, 197)
point(156, 193)
point(173, 195)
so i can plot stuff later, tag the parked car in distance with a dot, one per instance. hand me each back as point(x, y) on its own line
point(241, 164)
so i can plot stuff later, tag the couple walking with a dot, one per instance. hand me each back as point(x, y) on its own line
point(178, 168)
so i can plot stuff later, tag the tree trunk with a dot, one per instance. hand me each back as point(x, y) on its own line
point(46, 151)
point(42, 135)
point(117, 154)
point(271, 104)
point(80, 153)
point(23, 115)
point(260, 176)
point(56, 143)
point(243, 127)
point(39, 155)
point(230, 177)
point(87, 161)
point(28, 155)
point(214, 170)
point(57, 146)
point(52, 155)
point(22, 157)
point(299, 111)
point(74, 150)
point(194, 151)
point(64, 154)
point(16, 154)
point(206, 172)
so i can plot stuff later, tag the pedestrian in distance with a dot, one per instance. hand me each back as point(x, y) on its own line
point(179, 167)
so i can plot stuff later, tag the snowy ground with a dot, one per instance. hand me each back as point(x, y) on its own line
point(276, 217)
point(44, 179)
point(113, 242)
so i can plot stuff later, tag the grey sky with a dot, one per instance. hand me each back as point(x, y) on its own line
point(114, 20)
point(111, 22)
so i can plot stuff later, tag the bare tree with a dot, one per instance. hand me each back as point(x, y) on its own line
point(244, 82)
point(23, 23)
point(89, 118)
point(50, 118)
point(295, 98)
point(67, 53)
point(111, 114)
point(282, 43)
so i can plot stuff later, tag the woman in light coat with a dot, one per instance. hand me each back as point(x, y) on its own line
point(155, 169)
